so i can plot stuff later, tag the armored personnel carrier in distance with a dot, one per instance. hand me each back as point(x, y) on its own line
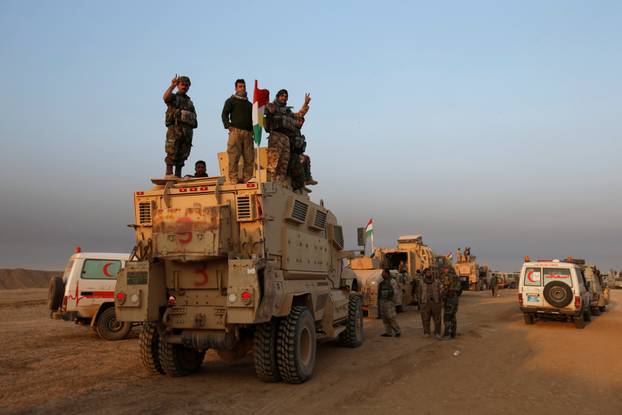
point(234, 268)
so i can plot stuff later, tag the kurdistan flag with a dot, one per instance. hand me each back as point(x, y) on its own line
point(369, 229)
point(261, 97)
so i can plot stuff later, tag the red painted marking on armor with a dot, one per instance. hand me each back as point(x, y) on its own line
point(182, 190)
point(184, 227)
point(204, 277)
point(193, 189)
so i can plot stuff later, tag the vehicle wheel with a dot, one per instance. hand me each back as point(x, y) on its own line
point(579, 321)
point(529, 318)
point(296, 345)
point(150, 348)
point(109, 328)
point(558, 294)
point(177, 360)
point(595, 311)
point(56, 290)
point(353, 335)
point(602, 308)
point(264, 352)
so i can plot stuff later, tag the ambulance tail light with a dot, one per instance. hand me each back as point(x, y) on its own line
point(577, 301)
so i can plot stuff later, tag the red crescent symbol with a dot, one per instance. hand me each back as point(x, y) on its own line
point(105, 269)
point(529, 276)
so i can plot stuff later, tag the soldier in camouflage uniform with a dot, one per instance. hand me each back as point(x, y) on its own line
point(450, 305)
point(280, 122)
point(181, 119)
point(299, 163)
point(493, 285)
point(387, 290)
point(431, 303)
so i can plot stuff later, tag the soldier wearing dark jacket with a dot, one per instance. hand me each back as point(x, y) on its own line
point(237, 118)
point(450, 305)
point(181, 119)
point(431, 303)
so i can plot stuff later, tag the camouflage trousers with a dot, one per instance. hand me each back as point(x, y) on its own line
point(387, 310)
point(240, 144)
point(493, 290)
point(178, 144)
point(278, 154)
point(450, 308)
point(430, 310)
point(299, 169)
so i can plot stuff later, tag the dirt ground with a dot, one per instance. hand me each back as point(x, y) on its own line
point(497, 364)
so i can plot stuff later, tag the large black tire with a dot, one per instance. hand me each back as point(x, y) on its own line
point(109, 328)
point(177, 360)
point(150, 349)
point(558, 294)
point(353, 335)
point(579, 321)
point(529, 318)
point(56, 291)
point(264, 352)
point(296, 345)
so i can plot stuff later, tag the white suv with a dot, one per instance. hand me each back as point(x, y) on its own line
point(85, 293)
point(554, 288)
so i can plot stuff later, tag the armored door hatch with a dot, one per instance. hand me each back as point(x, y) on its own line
point(298, 211)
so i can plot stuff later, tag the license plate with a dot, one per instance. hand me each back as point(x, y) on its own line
point(533, 298)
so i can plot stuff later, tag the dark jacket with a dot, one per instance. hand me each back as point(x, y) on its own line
point(238, 113)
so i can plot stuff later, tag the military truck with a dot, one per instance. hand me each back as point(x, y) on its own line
point(234, 268)
point(411, 254)
point(472, 276)
point(598, 289)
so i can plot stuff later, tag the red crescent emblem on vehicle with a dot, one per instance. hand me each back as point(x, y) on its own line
point(529, 276)
point(184, 230)
point(105, 269)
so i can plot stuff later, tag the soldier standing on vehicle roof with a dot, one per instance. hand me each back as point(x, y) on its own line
point(299, 163)
point(459, 255)
point(387, 290)
point(237, 118)
point(431, 303)
point(181, 119)
point(280, 122)
point(450, 305)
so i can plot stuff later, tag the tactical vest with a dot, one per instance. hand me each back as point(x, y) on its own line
point(298, 143)
point(181, 111)
point(385, 290)
point(281, 120)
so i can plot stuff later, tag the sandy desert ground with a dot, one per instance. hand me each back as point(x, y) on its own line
point(496, 365)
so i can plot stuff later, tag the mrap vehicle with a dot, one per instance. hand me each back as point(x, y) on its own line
point(85, 293)
point(554, 288)
point(236, 267)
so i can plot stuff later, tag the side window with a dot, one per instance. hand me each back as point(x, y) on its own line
point(557, 274)
point(581, 277)
point(100, 269)
point(533, 277)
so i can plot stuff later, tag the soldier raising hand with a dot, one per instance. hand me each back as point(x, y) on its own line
point(180, 120)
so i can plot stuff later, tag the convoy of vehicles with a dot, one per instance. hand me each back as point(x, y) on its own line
point(237, 267)
point(85, 293)
point(473, 277)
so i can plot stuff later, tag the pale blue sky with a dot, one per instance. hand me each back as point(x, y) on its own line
point(485, 123)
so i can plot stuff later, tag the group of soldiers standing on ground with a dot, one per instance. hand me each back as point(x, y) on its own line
point(435, 294)
point(286, 143)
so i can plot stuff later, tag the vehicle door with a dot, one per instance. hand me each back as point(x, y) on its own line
point(98, 279)
point(532, 287)
point(583, 292)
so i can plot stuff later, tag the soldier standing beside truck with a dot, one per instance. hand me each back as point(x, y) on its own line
point(431, 303)
point(387, 291)
point(237, 118)
point(180, 120)
point(450, 305)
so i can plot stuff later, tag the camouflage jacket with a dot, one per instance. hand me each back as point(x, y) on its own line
point(180, 110)
point(431, 292)
point(387, 289)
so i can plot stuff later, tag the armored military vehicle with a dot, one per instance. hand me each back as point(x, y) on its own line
point(598, 289)
point(411, 256)
point(473, 276)
point(234, 268)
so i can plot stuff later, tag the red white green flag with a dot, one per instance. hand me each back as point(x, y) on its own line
point(369, 232)
point(261, 97)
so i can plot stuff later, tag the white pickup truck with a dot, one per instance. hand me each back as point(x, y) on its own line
point(85, 293)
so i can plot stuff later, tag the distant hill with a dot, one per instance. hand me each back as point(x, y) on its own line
point(11, 279)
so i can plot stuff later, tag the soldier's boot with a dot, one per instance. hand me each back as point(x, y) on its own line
point(169, 169)
point(178, 170)
point(311, 182)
